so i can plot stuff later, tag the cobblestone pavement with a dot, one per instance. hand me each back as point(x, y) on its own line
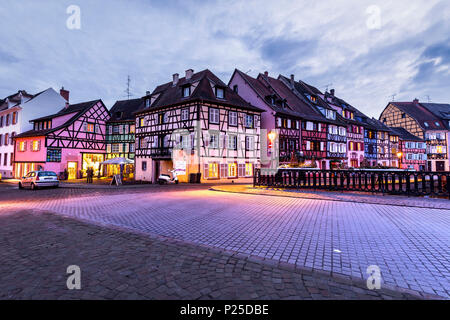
point(37, 247)
point(409, 244)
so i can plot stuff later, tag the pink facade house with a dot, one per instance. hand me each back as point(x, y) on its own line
point(71, 140)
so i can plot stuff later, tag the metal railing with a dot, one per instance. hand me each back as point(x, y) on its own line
point(409, 183)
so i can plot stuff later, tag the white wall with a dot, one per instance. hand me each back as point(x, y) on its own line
point(47, 103)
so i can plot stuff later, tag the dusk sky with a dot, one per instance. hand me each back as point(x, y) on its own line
point(367, 50)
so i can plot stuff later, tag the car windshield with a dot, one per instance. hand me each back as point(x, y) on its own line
point(46, 174)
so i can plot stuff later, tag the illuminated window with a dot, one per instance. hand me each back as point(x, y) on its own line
point(22, 146)
point(439, 149)
point(132, 128)
point(90, 127)
point(232, 170)
point(213, 170)
point(35, 145)
point(141, 122)
point(248, 169)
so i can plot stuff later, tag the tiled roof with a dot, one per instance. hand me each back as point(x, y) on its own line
point(265, 91)
point(422, 115)
point(303, 89)
point(404, 134)
point(124, 110)
point(78, 109)
point(170, 94)
point(440, 110)
point(305, 110)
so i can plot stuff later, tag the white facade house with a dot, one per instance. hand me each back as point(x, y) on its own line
point(16, 111)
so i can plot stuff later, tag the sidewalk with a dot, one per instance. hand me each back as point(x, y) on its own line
point(360, 197)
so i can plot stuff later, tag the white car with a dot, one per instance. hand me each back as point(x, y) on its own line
point(38, 179)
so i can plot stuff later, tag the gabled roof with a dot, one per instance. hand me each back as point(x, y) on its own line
point(300, 106)
point(205, 80)
point(15, 98)
point(378, 125)
point(303, 89)
point(421, 114)
point(124, 110)
point(78, 109)
point(440, 110)
point(71, 108)
point(405, 135)
point(264, 91)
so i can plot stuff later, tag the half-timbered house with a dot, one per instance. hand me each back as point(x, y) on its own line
point(355, 121)
point(121, 127)
point(412, 150)
point(421, 122)
point(327, 134)
point(72, 139)
point(197, 126)
point(281, 122)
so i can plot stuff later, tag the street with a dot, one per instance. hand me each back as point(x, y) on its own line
point(326, 239)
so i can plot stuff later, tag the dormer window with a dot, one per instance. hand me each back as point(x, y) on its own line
point(426, 124)
point(147, 103)
point(235, 88)
point(330, 114)
point(220, 92)
point(118, 114)
point(437, 124)
point(186, 91)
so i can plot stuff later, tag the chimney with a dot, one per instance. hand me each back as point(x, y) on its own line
point(266, 74)
point(416, 101)
point(176, 76)
point(189, 73)
point(64, 93)
point(332, 92)
point(292, 80)
point(147, 93)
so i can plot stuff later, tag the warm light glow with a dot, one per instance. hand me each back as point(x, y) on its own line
point(272, 135)
point(399, 154)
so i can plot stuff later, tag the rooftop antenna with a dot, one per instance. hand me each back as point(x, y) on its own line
point(327, 86)
point(428, 98)
point(249, 70)
point(393, 96)
point(128, 91)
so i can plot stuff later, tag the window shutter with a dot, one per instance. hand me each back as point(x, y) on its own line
point(120, 129)
point(25, 146)
point(120, 147)
point(126, 147)
point(205, 171)
point(108, 148)
point(39, 145)
point(85, 127)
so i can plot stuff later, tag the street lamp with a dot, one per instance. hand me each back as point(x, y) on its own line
point(272, 135)
point(399, 156)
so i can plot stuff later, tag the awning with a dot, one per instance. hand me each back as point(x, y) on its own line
point(118, 160)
